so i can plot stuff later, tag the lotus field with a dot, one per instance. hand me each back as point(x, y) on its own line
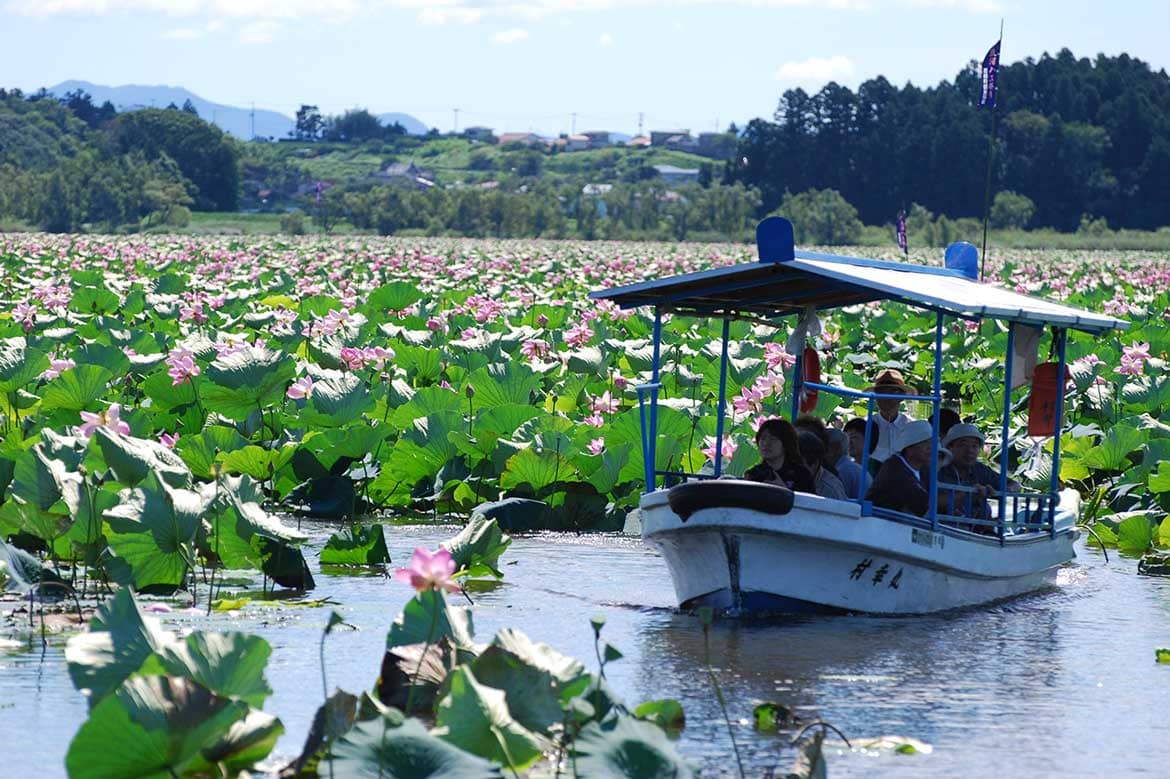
point(171, 405)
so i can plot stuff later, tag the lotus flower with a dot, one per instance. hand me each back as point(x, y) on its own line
point(110, 419)
point(597, 445)
point(301, 388)
point(429, 571)
point(57, 367)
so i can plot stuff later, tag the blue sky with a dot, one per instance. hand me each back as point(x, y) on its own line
point(518, 65)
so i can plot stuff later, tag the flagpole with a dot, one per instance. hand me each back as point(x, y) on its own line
point(990, 163)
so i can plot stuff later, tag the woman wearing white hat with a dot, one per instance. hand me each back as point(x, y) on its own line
point(901, 483)
point(965, 442)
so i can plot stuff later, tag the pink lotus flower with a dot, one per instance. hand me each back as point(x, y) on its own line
point(578, 335)
point(729, 447)
point(110, 419)
point(169, 440)
point(749, 399)
point(183, 367)
point(301, 388)
point(605, 404)
point(776, 357)
point(534, 348)
point(770, 384)
point(594, 420)
point(429, 571)
point(597, 445)
point(541, 320)
point(57, 367)
point(192, 313)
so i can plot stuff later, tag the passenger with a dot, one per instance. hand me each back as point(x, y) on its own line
point(782, 463)
point(813, 452)
point(855, 429)
point(947, 418)
point(901, 483)
point(965, 442)
point(856, 482)
point(890, 419)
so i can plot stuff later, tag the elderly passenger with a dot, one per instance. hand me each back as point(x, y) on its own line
point(902, 482)
point(890, 420)
point(855, 480)
point(965, 442)
point(813, 452)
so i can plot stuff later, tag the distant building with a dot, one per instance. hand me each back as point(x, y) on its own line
point(482, 134)
point(527, 139)
point(674, 175)
point(597, 190)
point(638, 142)
point(672, 139)
point(406, 174)
point(597, 138)
point(577, 143)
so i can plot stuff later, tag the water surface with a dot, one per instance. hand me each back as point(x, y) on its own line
point(1061, 683)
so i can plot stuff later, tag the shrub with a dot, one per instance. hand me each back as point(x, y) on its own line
point(293, 223)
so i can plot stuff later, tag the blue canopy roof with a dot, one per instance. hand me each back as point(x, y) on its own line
point(800, 279)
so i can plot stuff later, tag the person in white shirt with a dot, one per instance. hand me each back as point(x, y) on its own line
point(890, 419)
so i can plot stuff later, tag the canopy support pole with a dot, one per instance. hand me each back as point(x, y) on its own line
point(1006, 429)
point(937, 401)
point(650, 431)
point(1061, 335)
point(797, 383)
point(722, 398)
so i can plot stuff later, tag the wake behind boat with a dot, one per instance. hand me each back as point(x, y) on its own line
point(746, 547)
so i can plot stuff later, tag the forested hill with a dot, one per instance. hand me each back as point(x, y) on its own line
point(1077, 136)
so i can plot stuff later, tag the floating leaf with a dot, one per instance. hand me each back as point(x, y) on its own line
point(356, 546)
point(627, 748)
point(390, 750)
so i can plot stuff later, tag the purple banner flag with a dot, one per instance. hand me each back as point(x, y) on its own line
point(990, 76)
point(902, 244)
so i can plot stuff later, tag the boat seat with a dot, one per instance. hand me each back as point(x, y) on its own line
point(687, 498)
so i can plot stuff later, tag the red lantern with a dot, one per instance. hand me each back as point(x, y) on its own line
point(1045, 396)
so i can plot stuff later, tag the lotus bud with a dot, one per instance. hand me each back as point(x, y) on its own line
point(469, 391)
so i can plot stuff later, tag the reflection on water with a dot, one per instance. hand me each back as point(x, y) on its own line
point(1061, 683)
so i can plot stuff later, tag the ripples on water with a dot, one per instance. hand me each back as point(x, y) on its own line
point(1061, 683)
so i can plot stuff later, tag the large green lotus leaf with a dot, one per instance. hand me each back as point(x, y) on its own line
point(638, 354)
point(674, 430)
point(250, 378)
point(153, 529)
point(34, 505)
point(258, 462)
point(532, 676)
point(426, 445)
point(1160, 479)
point(536, 469)
point(228, 664)
point(19, 364)
point(421, 363)
point(1134, 532)
point(395, 296)
point(588, 361)
point(165, 394)
point(476, 718)
point(356, 546)
point(237, 529)
point(1147, 393)
point(153, 726)
point(333, 719)
point(604, 471)
point(335, 401)
point(75, 389)
point(503, 420)
point(377, 748)
point(497, 385)
point(247, 742)
point(628, 748)
point(118, 642)
point(134, 459)
point(355, 440)
point(427, 617)
point(87, 505)
point(104, 355)
point(93, 300)
point(479, 543)
point(318, 305)
point(427, 401)
point(1112, 453)
point(200, 452)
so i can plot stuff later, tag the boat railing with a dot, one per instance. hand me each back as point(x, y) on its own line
point(1025, 511)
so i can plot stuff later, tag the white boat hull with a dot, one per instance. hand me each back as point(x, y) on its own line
point(824, 556)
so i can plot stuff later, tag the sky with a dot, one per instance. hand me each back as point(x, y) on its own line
point(547, 66)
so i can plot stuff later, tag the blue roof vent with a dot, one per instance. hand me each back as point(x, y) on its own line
point(774, 240)
point(964, 258)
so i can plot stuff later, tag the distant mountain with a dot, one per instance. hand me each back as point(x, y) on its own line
point(230, 119)
point(412, 125)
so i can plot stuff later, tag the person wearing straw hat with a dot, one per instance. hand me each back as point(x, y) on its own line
point(890, 418)
point(902, 481)
point(965, 442)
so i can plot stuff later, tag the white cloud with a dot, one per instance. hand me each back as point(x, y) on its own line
point(816, 70)
point(258, 33)
point(508, 37)
point(183, 34)
point(605, 41)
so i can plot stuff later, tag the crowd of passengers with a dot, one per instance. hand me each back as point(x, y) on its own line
point(811, 457)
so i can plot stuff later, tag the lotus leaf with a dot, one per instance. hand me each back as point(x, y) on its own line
point(475, 717)
point(627, 747)
point(406, 751)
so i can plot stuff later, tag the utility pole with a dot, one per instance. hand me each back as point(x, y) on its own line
point(640, 117)
point(574, 125)
point(456, 130)
point(253, 115)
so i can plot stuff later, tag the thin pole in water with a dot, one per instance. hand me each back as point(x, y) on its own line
point(722, 399)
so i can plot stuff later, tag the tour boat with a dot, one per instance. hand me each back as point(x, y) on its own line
point(752, 548)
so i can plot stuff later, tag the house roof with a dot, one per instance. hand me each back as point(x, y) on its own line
point(778, 287)
point(668, 170)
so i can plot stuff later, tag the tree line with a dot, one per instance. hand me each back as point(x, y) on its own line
point(1077, 137)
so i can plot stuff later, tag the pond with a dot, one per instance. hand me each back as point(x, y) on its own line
point(1059, 683)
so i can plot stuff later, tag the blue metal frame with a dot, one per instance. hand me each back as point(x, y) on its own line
point(722, 399)
point(797, 384)
point(932, 512)
point(1005, 431)
point(1061, 336)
